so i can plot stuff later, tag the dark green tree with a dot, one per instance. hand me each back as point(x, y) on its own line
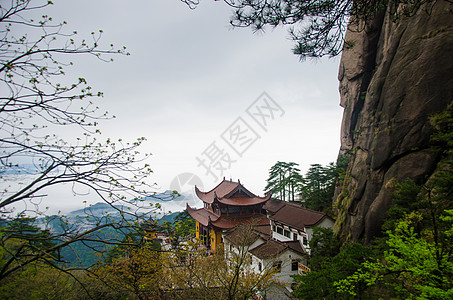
point(184, 225)
point(323, 245)
point(284, 180)
point(328, 265)
point(319, 184)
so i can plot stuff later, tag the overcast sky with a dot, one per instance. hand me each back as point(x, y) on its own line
point(192, 81)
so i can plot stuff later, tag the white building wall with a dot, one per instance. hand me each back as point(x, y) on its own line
point(295, 234)
point(326, 223)
point(256, 243)
point(280, 233)
point(286, 258)
point(285, 274)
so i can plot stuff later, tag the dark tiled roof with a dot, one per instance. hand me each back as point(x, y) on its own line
point(273, 247)
point(295, 245)
point(230, 221)
point(202, 215)
point(242, 235)
point(221, 190)
point(297, 216)
point(264, 229)
point(268, 249)
point(236, 235)
point(273, 205)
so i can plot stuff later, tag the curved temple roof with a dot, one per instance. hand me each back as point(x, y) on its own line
point(231, 193)
point(206, 217)
point(203, 216)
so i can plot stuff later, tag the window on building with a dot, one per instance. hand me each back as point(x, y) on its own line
point(294, 265)
point(274, 228)
point(305, 241)
point(294, 236)
point(286, 233)
point(260, 267)
point(280, 230)
point(278, 266)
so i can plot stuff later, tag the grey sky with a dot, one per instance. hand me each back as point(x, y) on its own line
point(190, 76)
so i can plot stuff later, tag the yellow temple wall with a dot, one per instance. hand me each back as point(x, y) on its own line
point(216, 239)
point(197, 229)
point(219, 243)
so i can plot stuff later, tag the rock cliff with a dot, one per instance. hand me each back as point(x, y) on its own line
point(393, 76)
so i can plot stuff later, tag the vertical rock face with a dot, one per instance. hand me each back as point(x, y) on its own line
point(393, 77)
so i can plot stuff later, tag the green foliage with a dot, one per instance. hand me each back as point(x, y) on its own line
point(86, 253)
point(320, 182)
point(184, 225)
point(319, 187)
point(21, 239)
point(406, 199)
point(284, 180)
point(316, 188)
point(38, 281)
point(443, 124)
point(133, 269)
point(323, 244)
point(414, 266)
point(329, 265)
point(417, 262)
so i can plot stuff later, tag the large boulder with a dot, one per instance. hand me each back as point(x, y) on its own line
point(393, 76)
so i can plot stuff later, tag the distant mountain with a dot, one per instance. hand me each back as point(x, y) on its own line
point(170, 218)
point(99, 209)
point(170, 204)
point(163, 197)
point(22, 169)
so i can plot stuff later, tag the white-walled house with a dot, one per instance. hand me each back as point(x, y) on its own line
point(284, 256)
point(293, 222)
point(263, 253)
point(283, 243)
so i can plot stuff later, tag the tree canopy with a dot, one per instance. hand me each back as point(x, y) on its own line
point(284, 180)
point(37, 99)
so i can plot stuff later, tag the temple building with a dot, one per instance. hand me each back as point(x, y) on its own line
point(283, 243)
point(293, 222)
point(225, 206)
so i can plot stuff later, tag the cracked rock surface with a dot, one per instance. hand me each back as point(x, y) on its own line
point(393, 77)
